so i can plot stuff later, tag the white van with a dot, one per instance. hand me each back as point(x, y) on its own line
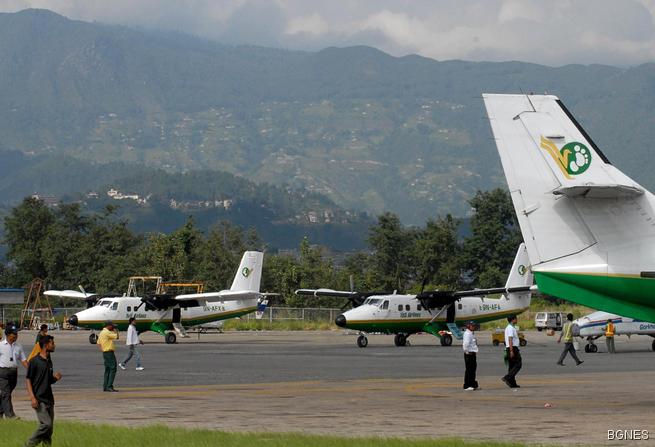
point(549, 320)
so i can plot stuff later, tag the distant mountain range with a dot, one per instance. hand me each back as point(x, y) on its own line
point(365, 130)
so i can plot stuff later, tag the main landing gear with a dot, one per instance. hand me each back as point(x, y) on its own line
point(170, 338)
point(400, 340)
point(591, 347)
point(446, 340)
point(362, 341)
point(93, 338)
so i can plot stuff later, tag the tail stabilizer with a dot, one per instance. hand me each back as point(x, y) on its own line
point(560, 182)
point(249, 274)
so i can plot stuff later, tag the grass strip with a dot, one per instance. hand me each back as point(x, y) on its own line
point(79, 434)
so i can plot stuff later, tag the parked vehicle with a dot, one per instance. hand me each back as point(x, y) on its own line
point(549, 320)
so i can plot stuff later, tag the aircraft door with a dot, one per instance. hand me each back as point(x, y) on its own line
point(450, 313)
point(384, 308)
point(177, 315)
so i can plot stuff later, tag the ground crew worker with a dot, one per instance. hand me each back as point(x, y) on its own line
point(11, 354)
point(609, 336)
point(106, 345)
point(470, 346)
point(567, 335)
point(515, 363)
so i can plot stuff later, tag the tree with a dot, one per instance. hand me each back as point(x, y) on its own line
point(25, 230)
point(393, 258)
point(439, 252)
point(495, 234)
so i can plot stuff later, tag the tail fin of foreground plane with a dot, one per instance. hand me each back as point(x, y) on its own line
point(589, 229)
point(249, 275)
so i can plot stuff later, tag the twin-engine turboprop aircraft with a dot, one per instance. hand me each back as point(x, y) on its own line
point(589, 229)
point(171, 314)
point(436, 312)
point(592, 327)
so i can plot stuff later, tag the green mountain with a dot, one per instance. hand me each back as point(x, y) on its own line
point(369, 131)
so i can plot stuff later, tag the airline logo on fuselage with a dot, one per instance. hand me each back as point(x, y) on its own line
point(572, 159)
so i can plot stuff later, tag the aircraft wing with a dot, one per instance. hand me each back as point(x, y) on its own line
point(327, 292)
point(69, 294)
point(483, 292)
point(223, 295)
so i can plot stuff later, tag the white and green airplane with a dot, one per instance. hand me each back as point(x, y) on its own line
point(589, 229)
point(171, 314)
point(436, 312)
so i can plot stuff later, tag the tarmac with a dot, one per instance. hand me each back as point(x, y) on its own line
point(321, 382)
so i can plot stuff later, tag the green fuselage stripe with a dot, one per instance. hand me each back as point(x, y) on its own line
point(414, 325)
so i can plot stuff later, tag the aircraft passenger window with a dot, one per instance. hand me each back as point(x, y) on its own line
point(459, 306)
point(418, 307)
point(114, 306)
point(129, 308)
point(385, 305)
point(407, 308)
point(400, 307)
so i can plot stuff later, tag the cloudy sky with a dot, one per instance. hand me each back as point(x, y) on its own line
point(542, 31)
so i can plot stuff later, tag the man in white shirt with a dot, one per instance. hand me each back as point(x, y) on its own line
point(470, 346)
point(512, 352)
point(132, 341)
point(11, 354)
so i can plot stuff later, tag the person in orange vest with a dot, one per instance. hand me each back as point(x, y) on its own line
point(609, 336)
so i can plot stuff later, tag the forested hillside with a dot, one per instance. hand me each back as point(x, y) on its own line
point(370, 131)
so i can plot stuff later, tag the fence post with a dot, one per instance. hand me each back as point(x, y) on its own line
point(270, 316)
point(303, 314)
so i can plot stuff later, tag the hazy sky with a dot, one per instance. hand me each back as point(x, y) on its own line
point(542, 31)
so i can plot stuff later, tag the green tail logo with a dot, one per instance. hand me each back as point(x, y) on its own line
point(246, 272)
point(573, 159)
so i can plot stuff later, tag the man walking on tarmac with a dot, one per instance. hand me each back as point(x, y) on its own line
point(106, 345)
point(609, 336)
point(512, 351)
point(132, 342)
point(567, 335)
point(40, 377)
point(470, 346)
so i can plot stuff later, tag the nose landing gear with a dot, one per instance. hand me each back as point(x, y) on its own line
point(362, 341)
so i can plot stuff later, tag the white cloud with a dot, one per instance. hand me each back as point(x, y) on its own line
point(541, 31)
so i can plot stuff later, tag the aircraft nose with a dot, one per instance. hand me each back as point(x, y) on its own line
point(73, 320)
point(340, 321)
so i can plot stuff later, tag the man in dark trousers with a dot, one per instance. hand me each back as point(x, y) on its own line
point(567, 335)
point(513, 354)
point(106, 344)
point(470, 346)
point(39, 382)
point(11, 355)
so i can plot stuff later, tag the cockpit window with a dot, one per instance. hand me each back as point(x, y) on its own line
point(374, 301)
point(105, 303)
point(385, 305)
point(114, 306)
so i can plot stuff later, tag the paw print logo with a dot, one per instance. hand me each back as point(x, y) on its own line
point(577, 156)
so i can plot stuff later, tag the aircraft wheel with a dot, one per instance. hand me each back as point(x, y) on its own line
point(495, 342)
point(362, 341)
point(586, 348)
point(593, 348)
point(653, 346)
point(93, 339)
point(170, 338)
point(446, 340)
point(400, 340)
point(539, 329)
point(523, 342)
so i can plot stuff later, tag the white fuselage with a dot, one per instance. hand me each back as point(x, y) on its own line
point(593, 325)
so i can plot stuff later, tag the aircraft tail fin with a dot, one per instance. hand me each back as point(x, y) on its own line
point(520, 276)
point(552, 167)
point(249, 274)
